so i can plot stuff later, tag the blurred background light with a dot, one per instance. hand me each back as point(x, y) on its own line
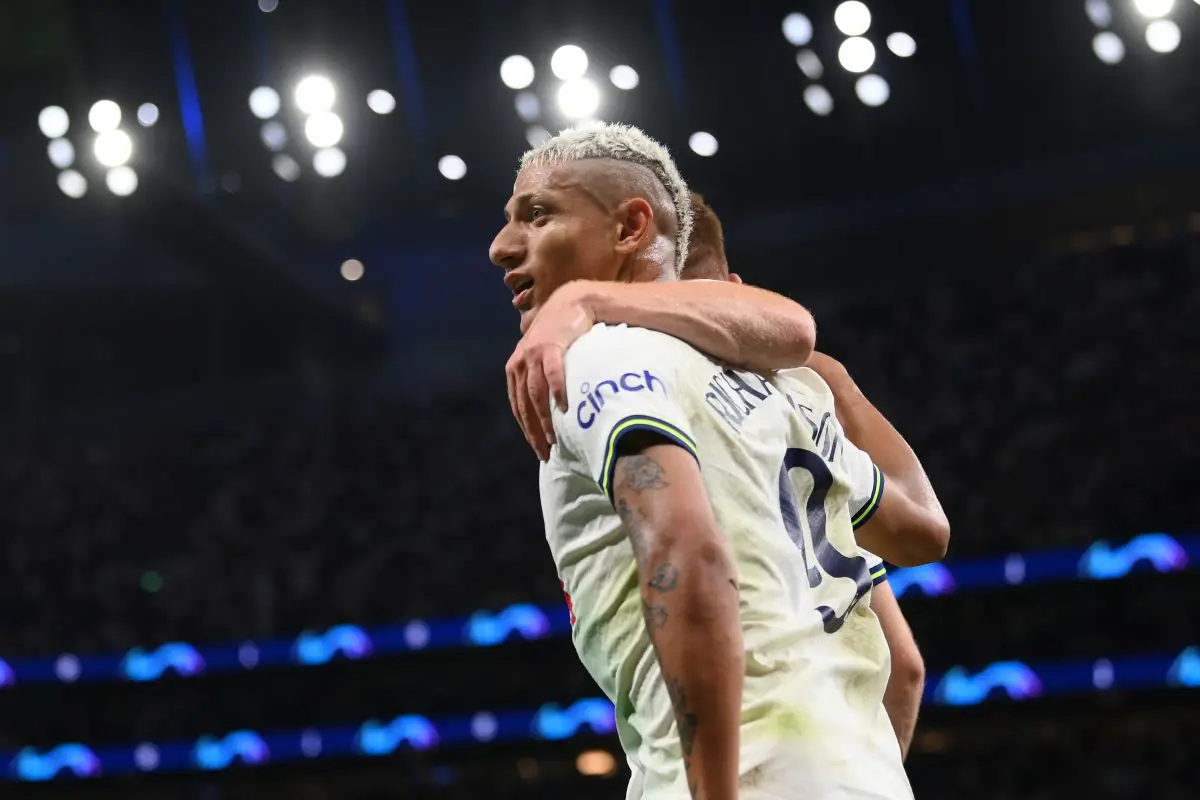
point(274, 135)
point(329, 162)
point(703, 143)
point(852, 18)
point(352, 269)
point(72, 184)
point(856, 54)
point(596, 763)
point(121, 181)
point(901, 44)
point(61, 153)
point(104, 115)
point(267, 6)
point(324, 129)
point(819, 100)
point(797, 29)
point(286, 167)
point(569, 62)
point(623, 77)
point(536, 135)
point(452, 167)
point(315, 94)
point(1153, 9)
point(53, 122)
point(872, 90)
point(529, 107)
point(516, 72)
point(381, 101)
point(1162, 35)
point(147, 114)
point(1099, 12)
point(810, 64)
point(578, 99)
point(1108, 47)
point(113, 148)
point(264, 102)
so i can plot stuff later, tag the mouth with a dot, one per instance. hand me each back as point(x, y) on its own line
point(522, 289)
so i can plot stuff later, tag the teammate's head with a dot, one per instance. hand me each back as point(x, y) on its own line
point(706, 254)
point(606, 203)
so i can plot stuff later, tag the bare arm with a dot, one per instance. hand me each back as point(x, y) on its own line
point(910, 528)
point(690, 603)
point(906, 685)
point(738, 324)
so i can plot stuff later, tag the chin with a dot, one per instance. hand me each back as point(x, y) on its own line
point(527, 319)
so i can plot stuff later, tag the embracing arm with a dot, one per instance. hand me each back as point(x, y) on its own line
point(738, 324)
point(690, 604)
point(906, 684)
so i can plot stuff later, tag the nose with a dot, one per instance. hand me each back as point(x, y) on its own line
point(508, 248)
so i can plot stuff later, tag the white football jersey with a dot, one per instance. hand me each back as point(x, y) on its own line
point(787, 489)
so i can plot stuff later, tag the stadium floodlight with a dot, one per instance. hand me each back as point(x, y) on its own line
point(797, 29)
point(147, 114)
point(113, 148)
point(873, 90)
point(72, 184)
point(703, 143)
point(578, 99)
point(819, 100)
point(121, 181)
point(1108, 47)
point(901, 44)
point(352, 269)
point(264, 102)
point(61, 153)
point(856, 54)
point(274, 135)
point(1153, 9)
point(452, 167)
point(104, 115)
point(536, 135)
point(324, 130)
point(285, 167)
point(569, 62)
point(381, 101)
point(267, 6)
point(852, 18)
point(810, 64)
point(516, 72)
point(624, 77)
point(1099, 12)
point(329, 162)
point(53, 122)
point(315, 94)
point(1162, 35)
point(529, 107)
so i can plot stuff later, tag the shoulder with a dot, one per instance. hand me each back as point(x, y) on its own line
point(805, 382)
point(621, 344)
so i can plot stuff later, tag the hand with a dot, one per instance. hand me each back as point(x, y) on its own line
point(535, 369)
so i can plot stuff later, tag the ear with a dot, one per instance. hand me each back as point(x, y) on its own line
point(735, 278)
point(636, 219)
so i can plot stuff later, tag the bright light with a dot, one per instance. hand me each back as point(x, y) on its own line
point(315, 94)
point(589, 125)
point(105, 115)
point(72, 184)
point(623, 77)
point(578, 99)
point(274, 135)
point(267, 6)
point(324, 130)
point(53, 122)
point(352, 269)
point(703, 143)
point(1162, 35)
point(852, 18)
point(452, 167)
point(1099, 12)
point(1153, 9)
point(901, 44)
point(381, 101)
point(872, 90)
point(529, 107)
point(329, 162)
point(819, 100)
point(596, 762)
point(856, 54)
point(121, 181)
point(516, 72)
point(113, 148)
point(810, 64)
point(61, 153)
point(569, 62)
point(536, 135)
point(147, 114)
point(797, 29)
point(286, 167)
point(264, 102)
point(1108, 47)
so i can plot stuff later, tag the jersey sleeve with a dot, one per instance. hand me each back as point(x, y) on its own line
point(866, 482)
point(620, 380)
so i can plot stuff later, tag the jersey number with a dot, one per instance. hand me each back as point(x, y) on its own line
point(828, 559)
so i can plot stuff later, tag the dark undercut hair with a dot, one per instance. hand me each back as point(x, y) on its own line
point(706, 253)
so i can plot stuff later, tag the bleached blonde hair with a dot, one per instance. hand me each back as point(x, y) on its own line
point(631, 145)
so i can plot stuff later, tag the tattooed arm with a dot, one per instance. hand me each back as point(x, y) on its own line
point(690, 602)
point(906, 684)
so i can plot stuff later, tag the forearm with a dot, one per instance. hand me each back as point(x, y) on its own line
point(690, 603)
point(738, 324)
point(902, 701)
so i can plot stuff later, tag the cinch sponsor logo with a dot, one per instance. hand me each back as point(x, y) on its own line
point(596, 396)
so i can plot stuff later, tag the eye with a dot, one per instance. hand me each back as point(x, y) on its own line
point(537, 212)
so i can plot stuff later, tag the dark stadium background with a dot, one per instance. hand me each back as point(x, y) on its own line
point(211, 438)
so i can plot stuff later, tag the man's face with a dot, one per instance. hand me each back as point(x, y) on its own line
point(557, 231)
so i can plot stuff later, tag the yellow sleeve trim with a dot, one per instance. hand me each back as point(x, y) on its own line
point(872, 505)
point(638, 423)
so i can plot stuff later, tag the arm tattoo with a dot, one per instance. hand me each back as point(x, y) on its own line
point(656, 617)
point(665, 577)
point(641, 472)
point(685, 719)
